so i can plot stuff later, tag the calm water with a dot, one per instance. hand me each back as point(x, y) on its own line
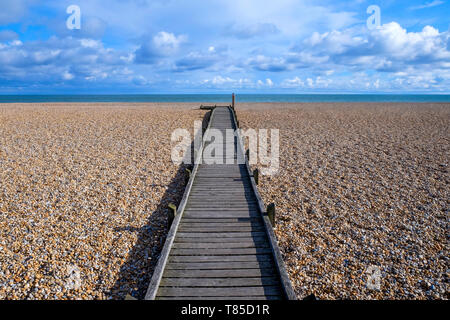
point(227, 98)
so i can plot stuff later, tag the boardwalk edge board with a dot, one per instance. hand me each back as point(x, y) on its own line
point(162, 261)
point(284, 276)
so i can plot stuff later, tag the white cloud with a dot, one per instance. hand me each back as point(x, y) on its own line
point(267, 83)
point(90, 43)
point(167, 42)
point(292, 83)
point(389, 48)
point(67, 75)
point(376, 84)
point(227, 82)
point(163, 44)
point(331, 51)
point(68, 59)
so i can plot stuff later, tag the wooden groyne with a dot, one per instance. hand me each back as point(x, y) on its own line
point(221, 244)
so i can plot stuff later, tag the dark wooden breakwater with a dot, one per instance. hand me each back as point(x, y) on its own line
point(221, 244)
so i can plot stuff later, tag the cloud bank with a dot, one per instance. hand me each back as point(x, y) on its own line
point(328, 50)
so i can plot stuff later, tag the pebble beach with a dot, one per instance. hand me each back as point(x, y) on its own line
point(360, 188)
point(84, 190)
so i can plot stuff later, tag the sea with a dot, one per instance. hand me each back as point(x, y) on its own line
point(226, 98)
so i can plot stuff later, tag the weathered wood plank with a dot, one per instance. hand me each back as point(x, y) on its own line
point(218, 265)
point(215, 239)
point(220, 229)
point(220, 245)
point(224, 273)
point(224, 213)
point(219, 215)
point(222, 220)
point(220, 282)
point(205, 200)
point(221, 292)
point(193, 224)
point(221, 258)
point(219, 251)
point(225, 206)
point(221, 234)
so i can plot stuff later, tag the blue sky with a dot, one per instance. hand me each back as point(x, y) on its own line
point(246, 46)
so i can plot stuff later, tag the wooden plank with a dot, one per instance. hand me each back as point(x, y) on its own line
point(224, 273)
point(220, 292)
point(206, 201)
point(219, 251)
point(215, 239)
point(225, 200)
point(220, 282)
point(220, 229)
point(223, 185)
point(221, 234)
point(224, 206)
point(224, 213)
point(221, 258)
point(218, 265)
point(251, 220)
point(219, 215)
point(220, 245)
point(223, 182)
point(219, 190)
point(212, 196)
point(193, 224)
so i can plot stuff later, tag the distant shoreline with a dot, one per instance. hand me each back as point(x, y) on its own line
point(226, 98)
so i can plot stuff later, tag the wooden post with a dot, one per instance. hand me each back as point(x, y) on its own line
point(188, 176)
point(232, 100)
point(271, 213)
point(256, 176)
point(172, 214)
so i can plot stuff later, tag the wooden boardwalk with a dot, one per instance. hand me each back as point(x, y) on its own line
point(221, 244)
